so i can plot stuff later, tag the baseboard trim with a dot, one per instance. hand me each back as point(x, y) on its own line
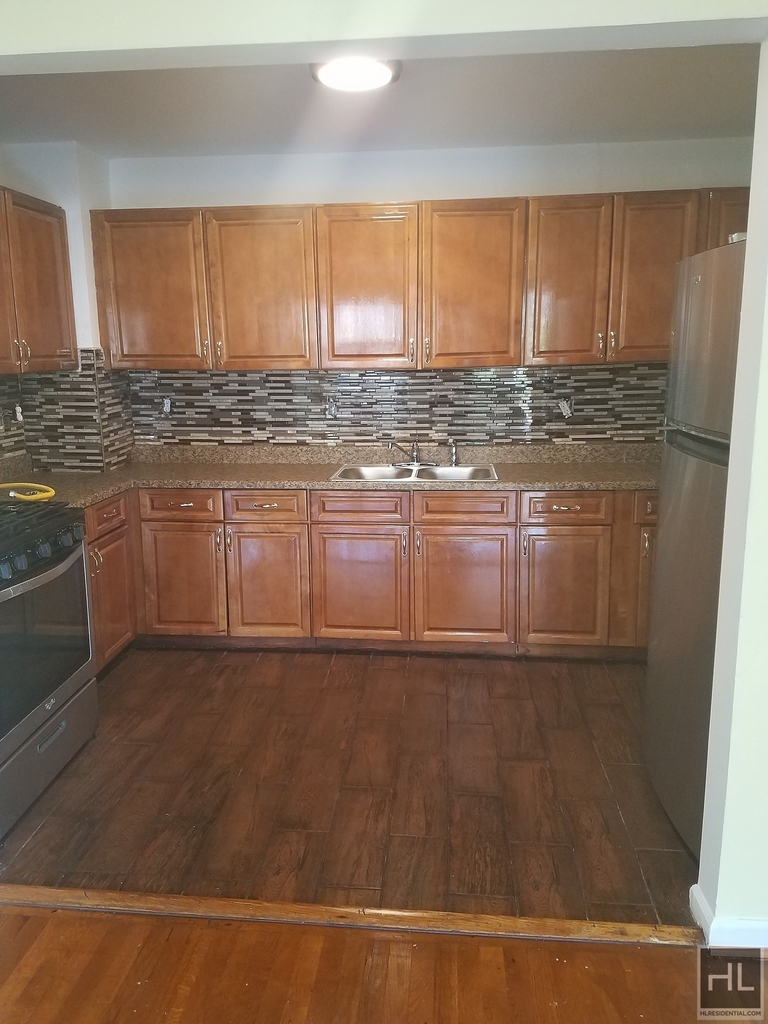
point(723, 932)
point(435, 922)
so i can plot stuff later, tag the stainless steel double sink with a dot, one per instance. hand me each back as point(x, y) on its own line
point(404, 473)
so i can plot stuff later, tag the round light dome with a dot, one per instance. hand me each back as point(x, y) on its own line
point(356, 74)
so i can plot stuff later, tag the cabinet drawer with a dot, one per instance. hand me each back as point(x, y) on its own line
point(106, 516)
point(559, 508)
point(360, 506)
point(190, 504)
point(464, 506)
point(646, 507)
point(265, 506)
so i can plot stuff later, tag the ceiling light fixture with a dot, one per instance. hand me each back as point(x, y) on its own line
point(356, 74)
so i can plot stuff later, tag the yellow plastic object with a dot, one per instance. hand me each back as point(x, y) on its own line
point(33, 492)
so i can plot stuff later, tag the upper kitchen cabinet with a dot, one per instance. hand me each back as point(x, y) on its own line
point(367, 264)
point(10, 351)
point(473, 257)
point(723, 213)
point(652, 232)
point(261, 265)
point(38, 257)
point(567, 279)
point(151, 288)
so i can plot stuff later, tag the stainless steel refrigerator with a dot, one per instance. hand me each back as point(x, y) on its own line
point(690, 532)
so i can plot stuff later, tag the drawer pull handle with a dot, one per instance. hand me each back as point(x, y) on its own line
point(110, 515)
point(566, 508)
point(525, 545)
point(271, 504)
point(181, 504)
point(405, 543)
point(649, 507)
point(51, 737)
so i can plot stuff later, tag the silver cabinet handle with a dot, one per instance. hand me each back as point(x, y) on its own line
point(613, 342)
point(427, 351)
point(181, 504)
point(271, 504)
point(229, 540)
point(205, 349)
point(95, 571)
point(100, 558)
point(600, 343)
point(218, 352)
point(405, 543)
point(219, 538)
point(25, 362)
point(525, 545)
point(110, 515)
point(646, 544)
point(566, 508)
point(17, 346)
point(649, 508)
point(411, 351)
point(418, 542)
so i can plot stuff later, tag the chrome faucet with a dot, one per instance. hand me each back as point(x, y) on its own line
point(454, 451)
point(414, 455)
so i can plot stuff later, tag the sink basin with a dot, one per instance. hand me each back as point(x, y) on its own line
point(457, 473)
point(373, 473)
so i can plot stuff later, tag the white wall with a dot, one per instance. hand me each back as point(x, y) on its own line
point(731, 898)
point(428, 174)
point(77, 179)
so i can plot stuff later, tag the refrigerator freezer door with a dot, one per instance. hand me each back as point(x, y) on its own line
point(704, 341)
point(683, 621)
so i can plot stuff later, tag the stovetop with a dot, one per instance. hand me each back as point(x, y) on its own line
point(35, 534)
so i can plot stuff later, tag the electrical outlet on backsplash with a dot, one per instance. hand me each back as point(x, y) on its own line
point(90, 418)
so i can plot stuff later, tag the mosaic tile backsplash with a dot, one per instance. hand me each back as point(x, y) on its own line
point(623, 402)
point(11, 431)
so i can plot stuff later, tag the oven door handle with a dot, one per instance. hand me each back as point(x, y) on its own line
point(43, 578)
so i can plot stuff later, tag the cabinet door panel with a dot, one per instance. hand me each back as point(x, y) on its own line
point(268, 580)
point(464, 583)
point(10, 353)
point(184, 578)
point(652, 232)
point(261, 263)
point(564, 584)
point(567, 277)
point(112, 594)
point(647, 556)
point(152, 295)
point(473, 260)
point(42, 287)
point(360, 582)
point(367, 263)
point(724, 213)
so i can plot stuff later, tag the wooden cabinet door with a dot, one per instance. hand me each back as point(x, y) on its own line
point(360, 581)
point(564, 584)
point(723, 213)
point(647, 556)
point(42, 288)
point(184, 577)
point(473, 257)
point(112, 594)
point(567, 278)
point(367, 267)
point(652, 232)
point(464, 583)
point(268, 579)
point(261, 265)
point(10, 353)
point(151, 288)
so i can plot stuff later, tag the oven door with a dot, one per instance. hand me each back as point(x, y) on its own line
point(45, 647)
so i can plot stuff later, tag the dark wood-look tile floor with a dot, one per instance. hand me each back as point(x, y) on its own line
point(406, 782)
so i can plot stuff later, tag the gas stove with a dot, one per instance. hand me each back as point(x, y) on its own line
point(36, 535)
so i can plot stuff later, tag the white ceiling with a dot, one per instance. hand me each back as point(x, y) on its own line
point(457, 102)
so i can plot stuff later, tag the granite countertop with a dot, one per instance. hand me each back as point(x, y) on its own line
point(82, 489)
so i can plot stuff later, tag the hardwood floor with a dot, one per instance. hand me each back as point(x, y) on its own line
point(101, 968)
point(404, 782)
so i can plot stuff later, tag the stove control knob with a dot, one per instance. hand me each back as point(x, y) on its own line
point(5, 571)
point(20, 562)
point(79, 531)
point(43, 549)
point(66, 540)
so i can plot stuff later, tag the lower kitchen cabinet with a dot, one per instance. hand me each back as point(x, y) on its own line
point(184, 577)
point(464, 583)
point(360, 581)
point(268, 579)
point(647, 553)
point(564, 584)
point(112, 595)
